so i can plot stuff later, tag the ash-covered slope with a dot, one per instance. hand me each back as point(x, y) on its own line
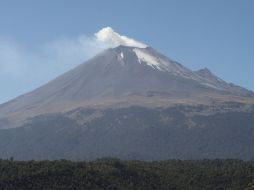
point(128, 71)
point(122, 75)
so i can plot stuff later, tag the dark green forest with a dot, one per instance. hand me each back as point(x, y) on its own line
point(108, 173)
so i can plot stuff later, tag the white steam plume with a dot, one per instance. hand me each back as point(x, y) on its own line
point(109, 36)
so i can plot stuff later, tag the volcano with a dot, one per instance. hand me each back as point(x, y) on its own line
point(132, 103)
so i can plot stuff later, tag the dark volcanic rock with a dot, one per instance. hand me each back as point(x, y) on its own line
point(134, 133)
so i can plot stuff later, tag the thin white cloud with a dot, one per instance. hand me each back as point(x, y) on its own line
point(22, 69)
point(46, 61)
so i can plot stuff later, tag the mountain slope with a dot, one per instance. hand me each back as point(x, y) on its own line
point(122, 75)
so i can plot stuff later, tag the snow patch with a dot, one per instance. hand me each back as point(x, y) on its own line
point(150, 60)
point(120, 58)
point(212, 86)
point(121, 54)
point(109, 36)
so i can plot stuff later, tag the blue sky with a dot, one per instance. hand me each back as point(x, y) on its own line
point(41, 39)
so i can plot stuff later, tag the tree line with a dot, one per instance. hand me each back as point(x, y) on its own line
point(114, 174)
